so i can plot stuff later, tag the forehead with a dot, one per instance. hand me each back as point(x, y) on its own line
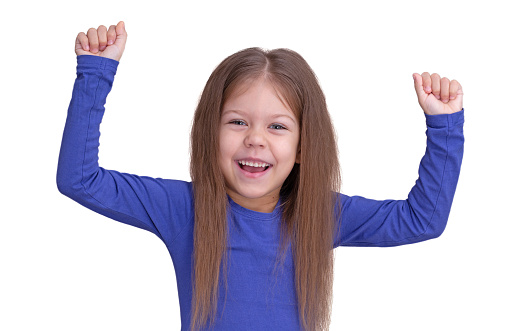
point(254, 93)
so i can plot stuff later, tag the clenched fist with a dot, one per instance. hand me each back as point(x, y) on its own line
point(102, 42)
point(438, 95)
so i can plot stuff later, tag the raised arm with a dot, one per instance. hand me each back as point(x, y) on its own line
point(157, 205)
point(423, 215)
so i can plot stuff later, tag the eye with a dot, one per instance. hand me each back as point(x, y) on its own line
point(276, 126)
point(237, 122)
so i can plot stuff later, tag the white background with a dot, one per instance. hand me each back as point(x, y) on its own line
point(64, 267)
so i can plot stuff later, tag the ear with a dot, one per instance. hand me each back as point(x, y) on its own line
point(298, 156)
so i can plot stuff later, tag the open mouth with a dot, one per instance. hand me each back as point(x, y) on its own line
point(253, 166)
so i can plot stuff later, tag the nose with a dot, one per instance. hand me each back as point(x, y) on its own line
point(255, 137)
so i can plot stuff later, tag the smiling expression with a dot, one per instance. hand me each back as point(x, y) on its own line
point(259, 139)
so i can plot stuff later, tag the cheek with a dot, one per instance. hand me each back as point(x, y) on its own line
point(224, 157)
point(226, 145)
point(286, 150)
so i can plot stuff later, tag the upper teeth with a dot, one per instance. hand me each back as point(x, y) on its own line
point(254, 164)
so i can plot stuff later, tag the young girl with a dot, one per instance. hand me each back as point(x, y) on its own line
point(265, 182)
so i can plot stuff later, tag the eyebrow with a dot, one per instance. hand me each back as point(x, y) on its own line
point(282, 115)
point(225, 112)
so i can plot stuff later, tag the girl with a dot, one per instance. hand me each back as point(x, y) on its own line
point(265, 177)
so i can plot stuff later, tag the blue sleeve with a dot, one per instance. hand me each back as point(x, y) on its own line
point(423, 216)
point(158, 205)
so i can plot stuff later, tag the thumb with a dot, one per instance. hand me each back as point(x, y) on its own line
point(120, 35)
point(420, 93)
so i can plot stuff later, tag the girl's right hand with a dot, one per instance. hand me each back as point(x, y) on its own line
point(102, 42)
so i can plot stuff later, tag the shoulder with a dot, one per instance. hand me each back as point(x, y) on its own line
point(178, 189)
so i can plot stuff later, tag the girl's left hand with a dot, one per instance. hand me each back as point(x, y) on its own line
point(438, 95)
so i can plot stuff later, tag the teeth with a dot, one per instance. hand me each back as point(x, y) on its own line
point(254, 164)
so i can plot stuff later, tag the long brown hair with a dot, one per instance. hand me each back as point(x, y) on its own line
point(308, 195)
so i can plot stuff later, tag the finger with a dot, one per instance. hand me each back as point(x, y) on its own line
point(82, 41)
point(436, 85)
point(101, 37)
point(92, 40)
point(444, 89)
point(426, 78)
point(455, 90)
point(110, 35)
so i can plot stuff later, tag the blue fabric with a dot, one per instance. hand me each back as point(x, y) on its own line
point(259, 296)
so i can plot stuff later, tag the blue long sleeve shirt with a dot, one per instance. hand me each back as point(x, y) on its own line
point(257, 298)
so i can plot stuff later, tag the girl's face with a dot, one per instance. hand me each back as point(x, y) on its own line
point(259, 139)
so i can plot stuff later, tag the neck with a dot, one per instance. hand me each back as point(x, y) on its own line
point(265, 204)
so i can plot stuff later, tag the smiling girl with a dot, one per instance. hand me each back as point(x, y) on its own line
point(265, 182)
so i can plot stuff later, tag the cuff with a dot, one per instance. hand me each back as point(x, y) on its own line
point(445, 120)
point(92, 61)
